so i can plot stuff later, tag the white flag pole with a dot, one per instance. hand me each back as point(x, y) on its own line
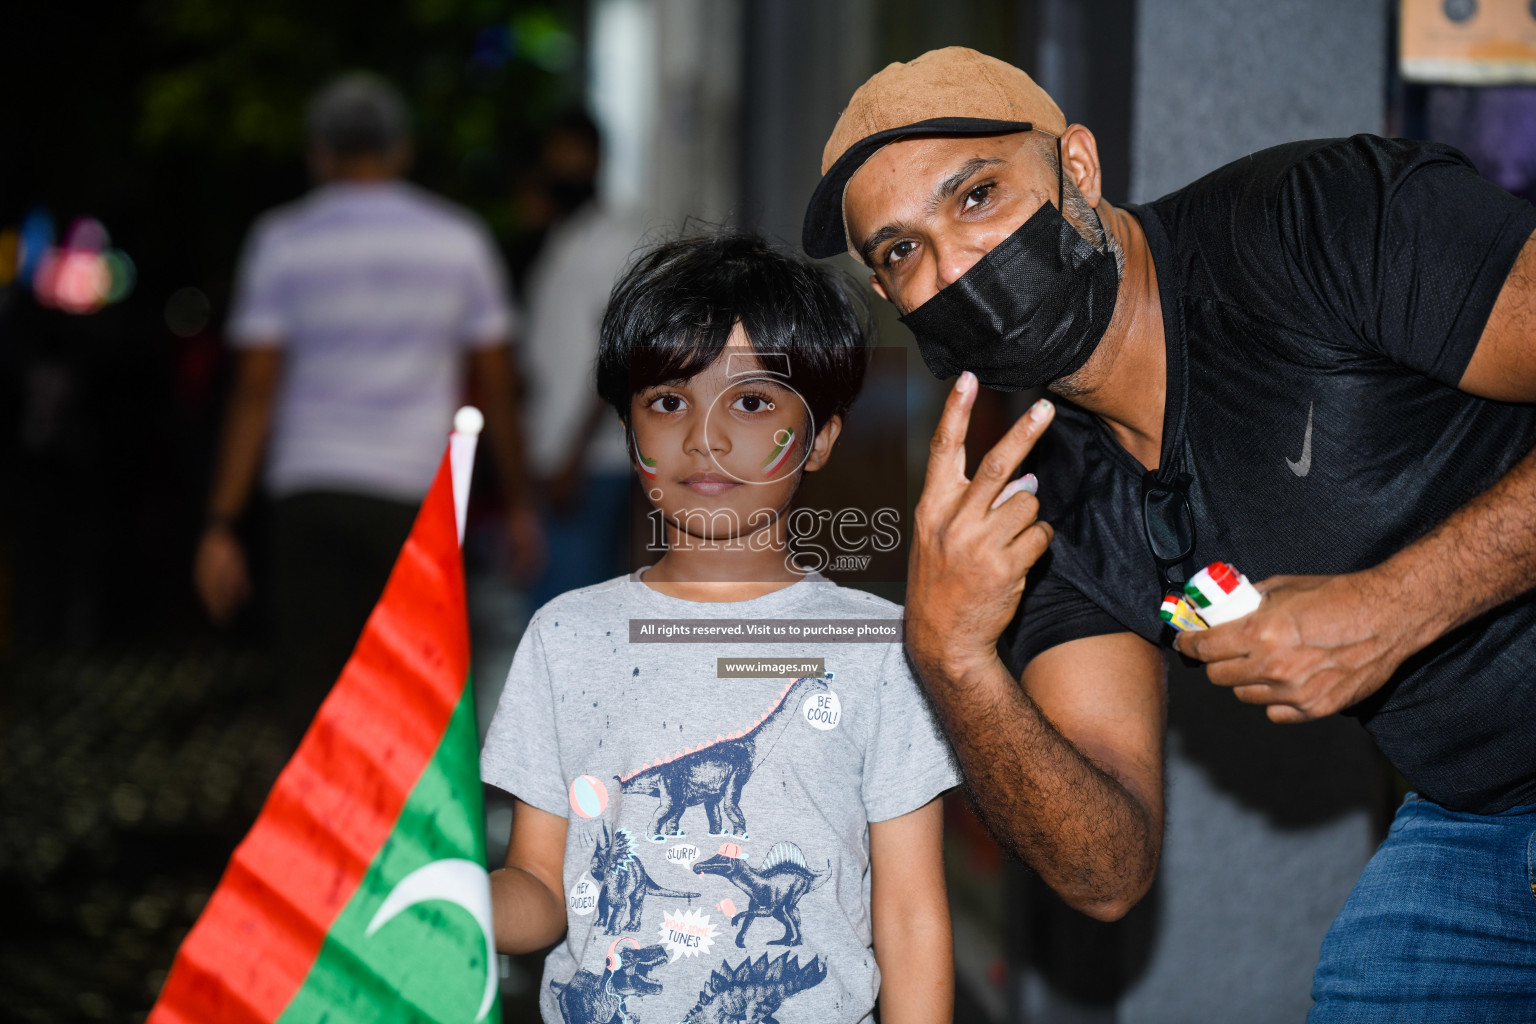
point(467, 424)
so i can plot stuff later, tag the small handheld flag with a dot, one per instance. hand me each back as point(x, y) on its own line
point(360, 894)
point(1220, 594)
point(1215, 595)
point(1176, 611)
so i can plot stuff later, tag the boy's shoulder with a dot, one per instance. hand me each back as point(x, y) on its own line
point(583, 602)
point(850, 602)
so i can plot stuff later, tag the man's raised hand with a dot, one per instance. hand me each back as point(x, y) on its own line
point(975, 539)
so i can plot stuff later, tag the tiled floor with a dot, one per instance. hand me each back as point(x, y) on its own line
point(125, 781)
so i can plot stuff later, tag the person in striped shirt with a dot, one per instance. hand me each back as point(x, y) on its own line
point(361, 311)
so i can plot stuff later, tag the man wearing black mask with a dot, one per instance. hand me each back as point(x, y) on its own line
point(1313, 363)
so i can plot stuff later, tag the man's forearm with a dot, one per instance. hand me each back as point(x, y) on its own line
point(1089, 838)
point(1481, 556)
point(505, 434)
point(495, 384)
point(245, 433)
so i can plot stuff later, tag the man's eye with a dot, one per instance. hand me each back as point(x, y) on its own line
point(976, 196)
point(668, 403)
point(900, 251)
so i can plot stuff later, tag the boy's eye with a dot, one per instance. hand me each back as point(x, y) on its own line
point(668, 403)
point(752, 403)
point(976, 196)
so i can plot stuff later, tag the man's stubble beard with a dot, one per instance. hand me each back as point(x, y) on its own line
point(1085, 220)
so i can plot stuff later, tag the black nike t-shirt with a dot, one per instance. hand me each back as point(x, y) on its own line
point(1320, 302)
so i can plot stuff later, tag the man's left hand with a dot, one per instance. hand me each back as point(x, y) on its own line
point(1316, 645)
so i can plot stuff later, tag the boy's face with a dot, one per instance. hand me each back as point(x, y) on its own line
point(720, 453)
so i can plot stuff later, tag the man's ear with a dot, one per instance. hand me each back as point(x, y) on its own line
point(821, 447)
point(874, 282)
point(1080, 162)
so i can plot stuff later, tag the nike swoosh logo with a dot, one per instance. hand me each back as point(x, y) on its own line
point(1303, 465)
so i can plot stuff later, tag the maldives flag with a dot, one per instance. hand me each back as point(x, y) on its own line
point(360, 893)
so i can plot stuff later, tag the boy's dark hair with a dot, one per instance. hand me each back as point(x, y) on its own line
point(671, 313)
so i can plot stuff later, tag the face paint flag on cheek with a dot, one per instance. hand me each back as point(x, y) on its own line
point(780, 454)
point(647, 466)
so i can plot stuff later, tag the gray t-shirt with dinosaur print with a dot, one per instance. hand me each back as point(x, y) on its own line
point(717, 858)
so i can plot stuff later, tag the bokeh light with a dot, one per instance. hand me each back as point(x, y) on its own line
point(187, 312)
point(542, 37)
point(81, 276)
point(537, 35)
point(124, 275)
point(36, 239)
point(76, 281)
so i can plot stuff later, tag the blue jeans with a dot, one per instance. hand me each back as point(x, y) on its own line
point(1441, 926)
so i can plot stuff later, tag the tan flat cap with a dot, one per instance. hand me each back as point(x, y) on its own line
point(953, 91)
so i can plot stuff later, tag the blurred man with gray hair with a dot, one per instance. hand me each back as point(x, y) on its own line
point(359, 309)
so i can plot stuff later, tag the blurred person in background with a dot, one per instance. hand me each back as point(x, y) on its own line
point(359, 310)
point(575, 446)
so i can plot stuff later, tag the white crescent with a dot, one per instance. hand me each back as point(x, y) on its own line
point(458, 881)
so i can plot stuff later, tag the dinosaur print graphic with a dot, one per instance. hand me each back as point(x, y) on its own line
point(588, 999)
point(625, 883)
point(752, 992)
point(714, 773)
point(774, 889)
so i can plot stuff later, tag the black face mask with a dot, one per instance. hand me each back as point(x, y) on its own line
point(1029, 312)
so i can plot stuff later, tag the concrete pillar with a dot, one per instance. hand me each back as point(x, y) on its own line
point(1217, 79)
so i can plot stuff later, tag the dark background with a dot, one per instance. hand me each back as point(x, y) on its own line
point(176, 123)
point(135, 745)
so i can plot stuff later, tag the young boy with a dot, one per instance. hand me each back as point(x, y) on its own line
point(723, 847)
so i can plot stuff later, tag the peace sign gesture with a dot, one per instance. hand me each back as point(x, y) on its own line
point(975, 539)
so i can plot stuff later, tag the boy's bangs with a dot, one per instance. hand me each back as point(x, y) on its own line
point(699, 329)
point(677, 353)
